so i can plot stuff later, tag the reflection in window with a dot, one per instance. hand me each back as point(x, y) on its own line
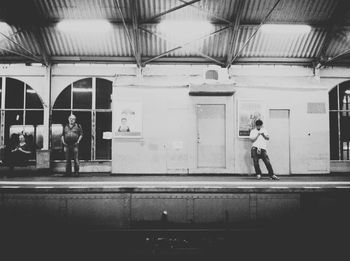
point(0, 91)
point(14, 94)
point(103, 94)
point(94, 115)
point(84, 119)
point(339, 119)
point(63, 101)
point(23, 113)
point(32, 99)
point(82, 94)
point(103, 124)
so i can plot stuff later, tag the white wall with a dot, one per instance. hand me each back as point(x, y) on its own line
point(289, 87)
point(309, 138)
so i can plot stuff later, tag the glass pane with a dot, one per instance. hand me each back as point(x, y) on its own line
point(32, 99)
point(82, 94)
point(334, 136)
point(0, 94)
point(333, 103)
point(346, 151)
point(84, 119)
point(2, 151)
point(39, 136)
point(12, 118)
point(34, 117)
point(103, 94)
point(59, 119)
point(63, 100)
point(14, 94)
point(103, 124)
point(28, 131)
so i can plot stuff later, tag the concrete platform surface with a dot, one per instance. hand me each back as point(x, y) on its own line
point(99, 182)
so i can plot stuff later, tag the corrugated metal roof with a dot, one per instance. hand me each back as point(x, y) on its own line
point(289, 11)
point(80, 9)
point(116, 44)
point(113, 43)
point(340, 42)
point(280, 45)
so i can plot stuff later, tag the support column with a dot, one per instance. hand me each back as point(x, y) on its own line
point(47, 109)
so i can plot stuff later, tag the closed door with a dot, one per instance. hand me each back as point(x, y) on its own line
point(279, 143)
point(211, 133)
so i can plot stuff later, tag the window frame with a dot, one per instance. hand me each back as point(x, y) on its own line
point(93, 111)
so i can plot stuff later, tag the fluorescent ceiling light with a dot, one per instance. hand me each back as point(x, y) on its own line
point(82, 89)
point(30, 91)
point(84, 26)
point(184, 31)
point(37, 64)
point(286, 28)
point(4, 27)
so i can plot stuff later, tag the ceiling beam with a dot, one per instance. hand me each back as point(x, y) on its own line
point(30, 55)
point(30, 58)
point(332, 28)
point(196, 51)
point(234, 32)
point(136, 34)
point(12, 35)
point(130, 39)
point(185, 44)
point(162, 60)
point(337, 57)
point(256, 31)
point(40, 41)
point(155, 17)
point(211, 14)
point(218, 22)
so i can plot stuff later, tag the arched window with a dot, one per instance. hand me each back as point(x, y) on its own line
point(339, 110)
point(21, 112)
point(90, 101)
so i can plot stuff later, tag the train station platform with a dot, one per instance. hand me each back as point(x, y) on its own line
point(104, 182)
point(177, 216)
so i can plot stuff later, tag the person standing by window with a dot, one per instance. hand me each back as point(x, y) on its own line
point(72, 135)
point(259, 136)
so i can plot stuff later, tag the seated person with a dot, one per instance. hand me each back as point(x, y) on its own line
point(20, 154)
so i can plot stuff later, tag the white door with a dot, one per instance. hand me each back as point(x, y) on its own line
point(279, 145)
point(211, 141)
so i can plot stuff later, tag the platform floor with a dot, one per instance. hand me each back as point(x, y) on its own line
point(169, 183)
point(321, 234)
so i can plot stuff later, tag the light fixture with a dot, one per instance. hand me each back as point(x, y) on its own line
point(347, 92)
point(84, 26)
point(30, 91)
point(184, 31)
point(286, 28)
point(82, 90)
point(4, 27)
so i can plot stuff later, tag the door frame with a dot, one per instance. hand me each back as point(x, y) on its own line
point(229, 133)
point(197, 136)
point(289, 140)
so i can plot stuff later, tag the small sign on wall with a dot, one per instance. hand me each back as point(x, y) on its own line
point(248, 113)
point(129, 119)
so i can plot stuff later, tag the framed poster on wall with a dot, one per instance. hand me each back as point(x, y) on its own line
point(129, 119)
point(248, 113)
